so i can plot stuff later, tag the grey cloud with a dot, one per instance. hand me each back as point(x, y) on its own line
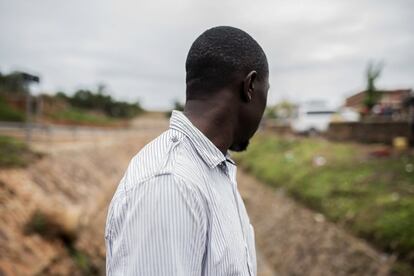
point(316, 49)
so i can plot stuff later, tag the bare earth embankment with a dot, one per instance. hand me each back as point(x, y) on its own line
point(70, 188)
point(53, 212)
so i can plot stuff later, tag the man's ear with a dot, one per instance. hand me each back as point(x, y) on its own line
point(248, 86)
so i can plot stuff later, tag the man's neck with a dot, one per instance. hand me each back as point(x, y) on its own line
point(215, 120)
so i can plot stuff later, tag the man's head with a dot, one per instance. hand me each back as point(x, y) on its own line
point(227, 64)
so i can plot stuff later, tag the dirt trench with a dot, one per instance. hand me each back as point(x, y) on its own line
point(75, 181)
point(294, 240)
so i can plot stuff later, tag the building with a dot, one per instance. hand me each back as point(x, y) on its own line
point(391, 99)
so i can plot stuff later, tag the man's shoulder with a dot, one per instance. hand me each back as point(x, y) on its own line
point(168, 154)
point(150, 158)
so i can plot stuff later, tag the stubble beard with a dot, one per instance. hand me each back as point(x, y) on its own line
point(242, 146)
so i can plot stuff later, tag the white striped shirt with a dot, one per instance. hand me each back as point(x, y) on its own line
point(177, 211)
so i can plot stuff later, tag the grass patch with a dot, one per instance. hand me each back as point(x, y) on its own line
point(37, 224)
point(373, 197)
point(83, 262)
point(51, 226)
point(79, 116)
point(15, 153)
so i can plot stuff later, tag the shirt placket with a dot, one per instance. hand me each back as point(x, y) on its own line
point(230, 171)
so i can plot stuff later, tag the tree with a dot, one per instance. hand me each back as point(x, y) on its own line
point(100, 101)
point(281, 111)
point(371, 94)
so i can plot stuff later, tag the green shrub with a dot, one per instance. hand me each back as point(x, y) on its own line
point(13, 152)
point(9, 114)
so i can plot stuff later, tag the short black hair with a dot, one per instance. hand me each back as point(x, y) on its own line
point(220, 55)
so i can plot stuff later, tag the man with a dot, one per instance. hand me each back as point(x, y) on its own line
point(177, 210)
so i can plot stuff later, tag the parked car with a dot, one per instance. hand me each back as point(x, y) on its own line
point(312, 117)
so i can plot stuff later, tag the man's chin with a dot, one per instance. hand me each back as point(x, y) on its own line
point(239, 146)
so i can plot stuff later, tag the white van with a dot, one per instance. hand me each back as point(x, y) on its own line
point(312, 117)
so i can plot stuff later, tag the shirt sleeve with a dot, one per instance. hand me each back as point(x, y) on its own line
point(163, 230)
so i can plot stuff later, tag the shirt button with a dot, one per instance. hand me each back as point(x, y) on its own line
point(174, 139)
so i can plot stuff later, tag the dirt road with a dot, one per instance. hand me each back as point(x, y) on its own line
point(76, 181)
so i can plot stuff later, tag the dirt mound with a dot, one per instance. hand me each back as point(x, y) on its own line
point(53, 212)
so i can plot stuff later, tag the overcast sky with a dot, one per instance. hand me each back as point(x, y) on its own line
point(316, 49)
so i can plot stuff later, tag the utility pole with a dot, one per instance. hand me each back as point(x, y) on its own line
point(27, 80)
point(28, 116)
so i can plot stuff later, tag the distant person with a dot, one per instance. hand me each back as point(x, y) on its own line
point(177, 210)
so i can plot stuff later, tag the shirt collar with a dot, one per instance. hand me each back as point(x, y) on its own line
point(228, 158)
point(207, 150)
